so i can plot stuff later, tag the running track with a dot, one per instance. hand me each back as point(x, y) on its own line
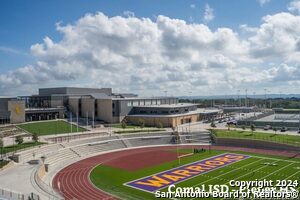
point(73, 182)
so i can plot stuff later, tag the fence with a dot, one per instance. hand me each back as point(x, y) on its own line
point(10, 195)
point(74, 137)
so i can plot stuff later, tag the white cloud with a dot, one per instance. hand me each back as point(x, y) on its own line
point(208, 14)
point(11, 50)
point(128, 13)
point(148, 57)
point(263, 2)
point(294, 6)
point(246, 28)
point(277, 37)
point(193, 6)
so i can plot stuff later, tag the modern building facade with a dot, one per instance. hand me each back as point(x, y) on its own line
point(99, 104)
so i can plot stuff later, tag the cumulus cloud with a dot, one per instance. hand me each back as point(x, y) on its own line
point(263, 2)
point(294, 6)
point(208, 14)
point(128, 13)
point(145, 56)
point(277, 37)
point(193, 6)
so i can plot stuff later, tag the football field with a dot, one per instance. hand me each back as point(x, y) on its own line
point(123, 183)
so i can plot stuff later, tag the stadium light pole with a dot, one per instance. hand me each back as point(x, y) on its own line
point(71, 128)
point(93, 119)
point(238, 96)
point(246, 98)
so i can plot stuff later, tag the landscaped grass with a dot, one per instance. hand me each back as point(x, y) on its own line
point(127, 126)
point(140, 130)
point(16, 147)
point(50, 127)
point(3, 163)
point(111, 179)
point(271, 137)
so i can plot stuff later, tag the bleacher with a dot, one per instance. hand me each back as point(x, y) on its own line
point(38, 152)
point(86, 150)
point(62, 155)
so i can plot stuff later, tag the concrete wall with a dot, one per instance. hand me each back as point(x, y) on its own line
point(87, 107)
point(56, 101)
point(104, 110)
point(74, 105)
point(166, 121)
point(4, 113)
point(17, 111)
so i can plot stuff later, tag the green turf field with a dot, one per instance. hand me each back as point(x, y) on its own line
point(111, 179)
point(50, 127)
point(271, 137)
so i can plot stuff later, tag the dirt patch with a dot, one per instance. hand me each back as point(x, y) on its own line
point(141, 160)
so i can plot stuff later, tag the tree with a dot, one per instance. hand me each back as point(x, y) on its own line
point(252, 127)
point(244, 127)
point(212, 124)
point(19, 139)
point(142, 123)
point(123, 124)
point(159, 125)
point(35, 137)
point(275, 130)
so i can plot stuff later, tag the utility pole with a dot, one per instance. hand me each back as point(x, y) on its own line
point(254, 94)
point(246, 104)
point(239, 100)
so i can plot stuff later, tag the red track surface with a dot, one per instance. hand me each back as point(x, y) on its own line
point(73, 182)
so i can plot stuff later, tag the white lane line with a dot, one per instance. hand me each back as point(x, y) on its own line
point(277, 170)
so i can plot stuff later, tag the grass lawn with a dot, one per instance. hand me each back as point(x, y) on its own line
point(127, 126)
point(50, 127)
point(3, 163)
point(271, 137)
point(16, 147)
point(140, 130)
point(111, 179)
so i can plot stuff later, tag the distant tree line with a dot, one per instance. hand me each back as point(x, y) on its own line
point(288, 103)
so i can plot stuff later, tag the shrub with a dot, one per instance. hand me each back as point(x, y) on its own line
point(19, 139)
point(142, 123)
point(123, 124)
point(35, 137)
point(159, 125)
point(213, 125)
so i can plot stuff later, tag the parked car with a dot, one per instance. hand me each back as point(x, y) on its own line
point(283, 129)
point(267, 127)
point(233, 122)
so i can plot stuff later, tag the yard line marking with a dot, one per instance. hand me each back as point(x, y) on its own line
point(292, 175)
point(254, 171)
point(275, 159)
point(226, 173)
point(277, 170)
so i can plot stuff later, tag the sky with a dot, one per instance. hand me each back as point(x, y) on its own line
point(184, 47)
